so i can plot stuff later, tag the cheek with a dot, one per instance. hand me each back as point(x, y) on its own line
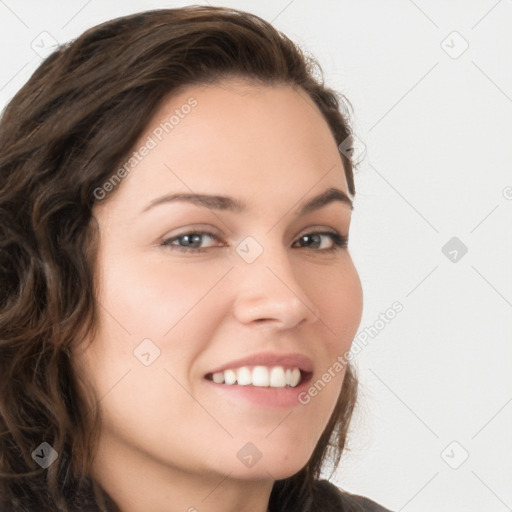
point(339, 298)
point(140, 301)
point(151, 300)
point(176, 308)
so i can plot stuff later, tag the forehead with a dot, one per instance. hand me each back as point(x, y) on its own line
point(236, 137)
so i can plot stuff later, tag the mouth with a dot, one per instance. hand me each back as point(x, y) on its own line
point(275, 377)
point(264, 379)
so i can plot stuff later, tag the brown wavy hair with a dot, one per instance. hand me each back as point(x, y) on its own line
point(61, 136)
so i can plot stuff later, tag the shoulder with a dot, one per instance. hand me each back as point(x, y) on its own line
point(350, 502)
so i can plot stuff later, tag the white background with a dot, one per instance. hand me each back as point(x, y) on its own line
point(438, 136)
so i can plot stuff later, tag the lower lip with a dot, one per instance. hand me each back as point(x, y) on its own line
point(264, 396)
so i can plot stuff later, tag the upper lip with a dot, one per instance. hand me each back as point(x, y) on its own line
point(289, 360)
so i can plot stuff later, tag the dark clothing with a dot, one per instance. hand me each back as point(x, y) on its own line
point(326, 498)
point(349, 502)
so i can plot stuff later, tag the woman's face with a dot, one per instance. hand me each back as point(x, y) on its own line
point(176, 305)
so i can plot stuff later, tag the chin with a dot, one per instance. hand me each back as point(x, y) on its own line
point(272, 465)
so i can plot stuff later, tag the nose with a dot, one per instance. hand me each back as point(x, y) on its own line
point(270, 293)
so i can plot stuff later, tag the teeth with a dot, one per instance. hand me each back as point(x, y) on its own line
point(277, 378)
point(260, 376)
point(218, 377)
point(230, 376)
point(244, 376)
point(294, 377)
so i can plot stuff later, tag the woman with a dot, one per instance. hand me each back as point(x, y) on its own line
point(178, 299)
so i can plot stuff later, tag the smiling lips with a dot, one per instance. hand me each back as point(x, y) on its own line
point(264, 370)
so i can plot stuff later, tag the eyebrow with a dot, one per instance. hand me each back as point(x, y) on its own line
point(217, 202)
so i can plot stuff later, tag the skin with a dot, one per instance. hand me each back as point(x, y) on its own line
point(168, 442)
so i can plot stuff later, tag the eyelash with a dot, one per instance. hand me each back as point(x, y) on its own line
point(340, 242)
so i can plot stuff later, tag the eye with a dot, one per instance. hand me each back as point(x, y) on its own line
point(338, 241)
point(191, 241)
